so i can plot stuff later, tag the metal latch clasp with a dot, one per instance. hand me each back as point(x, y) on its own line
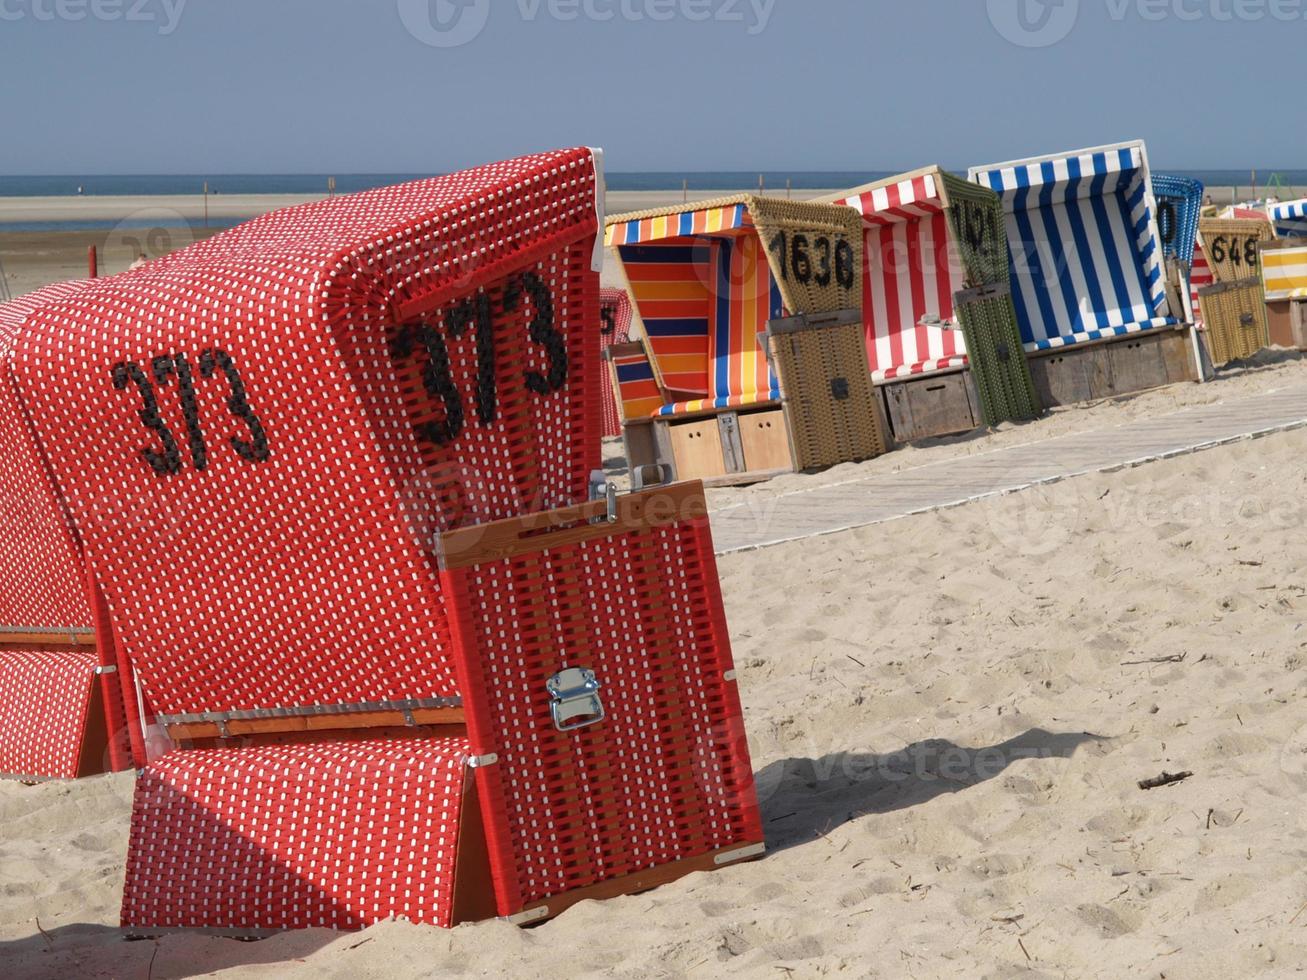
point(574, 699)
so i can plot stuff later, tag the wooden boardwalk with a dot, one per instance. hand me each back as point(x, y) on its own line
point(768, 520)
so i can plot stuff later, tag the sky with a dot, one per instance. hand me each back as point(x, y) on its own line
point(398, 86)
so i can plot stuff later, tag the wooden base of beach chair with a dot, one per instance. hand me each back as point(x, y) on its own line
point(556, 777)
point(1117, 366)
point(939, 404)
point(727, 448)
point(1287, 322)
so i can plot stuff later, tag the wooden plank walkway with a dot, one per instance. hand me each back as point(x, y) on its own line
point(768, 520)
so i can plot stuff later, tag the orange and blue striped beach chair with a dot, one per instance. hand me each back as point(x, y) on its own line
point(707, 280)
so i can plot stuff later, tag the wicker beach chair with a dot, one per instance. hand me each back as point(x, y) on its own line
point(942, 338)
point(743, 403)
point(408, 669)
point(614, 330)
point(1087, 276)
point(1179, 206)
point(1234, 305)
point(61, 709)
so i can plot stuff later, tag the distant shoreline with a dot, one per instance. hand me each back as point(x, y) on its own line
point(111, 213)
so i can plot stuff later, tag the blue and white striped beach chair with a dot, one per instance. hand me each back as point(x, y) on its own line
point(1087, 267)
point(1290, 218)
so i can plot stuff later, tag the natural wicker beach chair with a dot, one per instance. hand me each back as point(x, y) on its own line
point(743, 403)
point(942, 338)
point(1087, 273)
point(1234, 305)
point(614, 330)
point(408, 667)
point(61, 709)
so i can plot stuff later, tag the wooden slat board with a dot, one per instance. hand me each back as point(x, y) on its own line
point(888, 496)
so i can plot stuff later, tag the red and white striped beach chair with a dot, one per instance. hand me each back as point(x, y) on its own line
point(61, 710)
point(334, 419)
point(707, 279)
point(931, 239)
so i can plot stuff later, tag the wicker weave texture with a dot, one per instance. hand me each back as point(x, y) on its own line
point(829, 398)
point(666, 775)
point(979, 230)
point(1231, 246)
point(998, 360)
point(330, 836)
point(259, 436)
point(42, 580)
point(1236, 321)
point(45, 700)
point(815, 253)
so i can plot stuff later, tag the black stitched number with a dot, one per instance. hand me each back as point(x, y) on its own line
point(164, 367)
point(780, 247)
point(458, 319)
point(1218, 249)
point(844, 270)
point(166, 460)
point(543, 332)
point(436, 376)
point(1250, 251)
point(822, 244)
point(256, 449)
point(795, 258)
point(799, 259)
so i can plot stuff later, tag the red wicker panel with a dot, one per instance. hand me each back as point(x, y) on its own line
point(335, 836)
point(666, 775)
point(42, 582)
point(270, 549)
point(614, 328)
point(45, 699)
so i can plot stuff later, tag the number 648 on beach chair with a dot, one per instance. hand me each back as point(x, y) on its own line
point(408, 668)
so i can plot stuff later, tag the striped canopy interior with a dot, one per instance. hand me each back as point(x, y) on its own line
point(705, 292)
point(637, 387)
point(1284, 271)
point(1200, 275)
point(1290, 218)
point(912, 273)
point(1086, 259)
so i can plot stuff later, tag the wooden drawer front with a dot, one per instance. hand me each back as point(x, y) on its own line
point(933, 406)
point(697, 449)
point(765, 441)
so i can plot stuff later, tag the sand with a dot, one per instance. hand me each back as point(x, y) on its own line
point(949, 715)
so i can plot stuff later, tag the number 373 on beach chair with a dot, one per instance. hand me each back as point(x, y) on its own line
point(751, 310)
point(407, 668)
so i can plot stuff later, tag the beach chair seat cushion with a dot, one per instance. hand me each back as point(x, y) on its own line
point(336, 835)
point(45, 708)
point(919, 368)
